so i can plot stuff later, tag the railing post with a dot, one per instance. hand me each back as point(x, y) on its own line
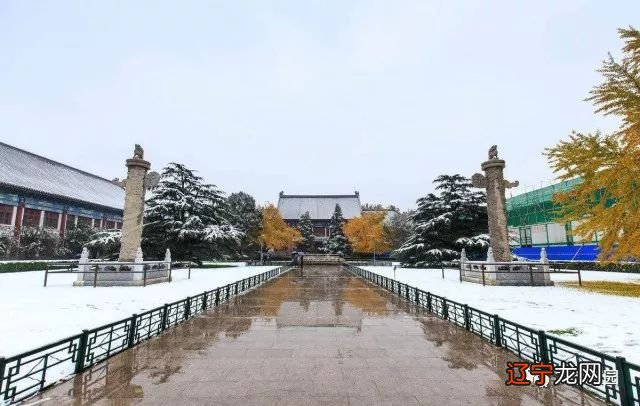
point(165, 315)
point(228, 291)
point(417, 296)
point(170, 278)
point(46, 275)
point(579, 278)
point(442, 267)
point(132, 330)
point(3, 363)
point(429, 307)
point(445, 309)
point(467, 321)
point(624, 382)
point(95, 276)
point(204, 301)
point(217, 296)
point(406, 293)
point(531, 274)
point(496, 330)
point(187, 308)
point(144, 276)
point(483, 282)
point(189, 276)
point(81, 351)
point(542, 343)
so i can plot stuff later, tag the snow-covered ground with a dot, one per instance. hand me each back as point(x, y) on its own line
point(610, 324)
point(225, 263)
point(35, 315)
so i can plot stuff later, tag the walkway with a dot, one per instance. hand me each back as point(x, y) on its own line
point(324, 337)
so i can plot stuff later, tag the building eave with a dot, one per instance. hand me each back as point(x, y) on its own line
point(38, 193)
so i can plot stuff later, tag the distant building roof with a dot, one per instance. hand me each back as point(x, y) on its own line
point(320, 207)
point(26, 171)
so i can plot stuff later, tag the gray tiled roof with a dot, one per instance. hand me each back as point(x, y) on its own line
point(27, 171)
point(320, 207)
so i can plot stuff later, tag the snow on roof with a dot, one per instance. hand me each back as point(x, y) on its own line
point(320, 207)
point(25, 170)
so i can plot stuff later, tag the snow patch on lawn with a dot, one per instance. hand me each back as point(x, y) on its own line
point(602, 322)
point(36, 316)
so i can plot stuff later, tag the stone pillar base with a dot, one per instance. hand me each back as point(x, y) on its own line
point(120, 275)
point(508, 275)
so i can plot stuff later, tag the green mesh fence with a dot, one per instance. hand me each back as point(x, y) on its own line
point(536, 206)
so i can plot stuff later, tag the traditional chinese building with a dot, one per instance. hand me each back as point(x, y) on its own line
point(320, 208)
point(38, 192)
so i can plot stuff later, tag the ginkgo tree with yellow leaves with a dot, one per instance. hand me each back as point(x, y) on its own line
point(607, 201)
point(367, 234)
point(276, 234)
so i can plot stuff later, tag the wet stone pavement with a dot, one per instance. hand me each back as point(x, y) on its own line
point(318, 337)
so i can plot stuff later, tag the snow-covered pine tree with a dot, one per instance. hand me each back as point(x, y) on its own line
point(307, 242)
point(187, 216)
point(105, 243)
point(247, 218)
point(35, 243)
point(76, 237)
point(441, 220)
point(476, 246)
point(337, 242)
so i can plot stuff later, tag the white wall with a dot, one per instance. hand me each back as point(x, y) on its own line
point(577, 239)
point(557, 233)
point(539, 234)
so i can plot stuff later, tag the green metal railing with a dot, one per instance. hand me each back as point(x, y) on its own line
point(527, 343)
point(24, 375)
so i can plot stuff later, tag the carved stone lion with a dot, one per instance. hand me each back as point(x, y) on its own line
point(138, 152)
point(493, 152)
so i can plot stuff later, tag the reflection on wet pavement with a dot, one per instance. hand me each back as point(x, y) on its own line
point(321, 336)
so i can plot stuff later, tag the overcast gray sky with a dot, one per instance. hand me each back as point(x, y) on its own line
point(304, 96)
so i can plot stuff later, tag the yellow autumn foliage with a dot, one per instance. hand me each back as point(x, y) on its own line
point(366, 233)
point(607, 201)
point(276, 234)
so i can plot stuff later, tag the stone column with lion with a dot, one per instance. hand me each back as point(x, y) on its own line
point(494, 183)
point(133, 205)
